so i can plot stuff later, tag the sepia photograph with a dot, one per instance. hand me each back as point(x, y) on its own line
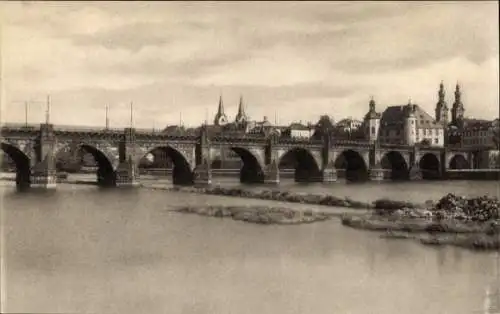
point(242, 157)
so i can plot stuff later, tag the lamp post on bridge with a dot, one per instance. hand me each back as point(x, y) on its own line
point(107, 117)
point(47, 111)
point(26, 104)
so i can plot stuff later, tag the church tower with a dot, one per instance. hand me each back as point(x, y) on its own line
point(457, 111)
point(241, 117)
point(441, 107)
point(410, 129)
point(220, 116)
point(372, 122)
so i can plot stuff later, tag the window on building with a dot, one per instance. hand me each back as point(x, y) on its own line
point(373, 130)
point(436, 141)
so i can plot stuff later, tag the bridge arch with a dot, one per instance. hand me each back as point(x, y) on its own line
point(182, 173)
point(353, 164)
point(251, 170)
point(430, 166)
point(458, 161)
point(306, 167)
point(396, 162)
point(106, 175)
point(22, 163)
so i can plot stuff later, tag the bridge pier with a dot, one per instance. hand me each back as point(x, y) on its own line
point(272, 174)
point(203, 174)
point(330, 173)
point(127, 174)
point(377, 174)
point(43, 173)
point(415, 173)
point(43, 178)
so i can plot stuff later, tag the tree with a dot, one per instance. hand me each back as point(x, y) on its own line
point(324, 126)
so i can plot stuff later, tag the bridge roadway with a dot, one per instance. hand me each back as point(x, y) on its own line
point(34, 149)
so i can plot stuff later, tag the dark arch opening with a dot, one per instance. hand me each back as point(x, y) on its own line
point(429, 166)
point(459, 162)
point(301, 160)
point(395, 162)
point(170, 158)
point(352, 164)
point(251, 171)
point(22, 164)
point(77, 158)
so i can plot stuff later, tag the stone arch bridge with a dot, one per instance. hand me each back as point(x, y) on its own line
point(117, 152)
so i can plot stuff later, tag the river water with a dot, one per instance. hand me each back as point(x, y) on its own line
point(85, 250)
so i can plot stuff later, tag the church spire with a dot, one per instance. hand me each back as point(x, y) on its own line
point(441, 106)
point(441, 92)
point(458, 94)
point(457, 111)
point(220, 110)
point(220, 116)
point(372, 104)
point(241, 117)
point(241, 111)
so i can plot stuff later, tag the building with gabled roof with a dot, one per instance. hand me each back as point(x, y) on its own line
point(410, 124)
point(403, 124)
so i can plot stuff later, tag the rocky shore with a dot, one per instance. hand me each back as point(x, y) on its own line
point(258, 214)
point(454, 220)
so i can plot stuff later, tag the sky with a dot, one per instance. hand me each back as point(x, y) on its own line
point(289, 61)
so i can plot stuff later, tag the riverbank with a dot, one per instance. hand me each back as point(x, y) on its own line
point(291, 197)
point(472, 223)
point(264, 215)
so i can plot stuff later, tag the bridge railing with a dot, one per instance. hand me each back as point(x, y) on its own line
point(396, 146)
point(245, 138)
point(351, 142)
point(298, 140)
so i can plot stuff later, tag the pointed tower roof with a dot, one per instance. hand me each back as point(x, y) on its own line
point(441, 106)
point(458, 98)
point(241, 116)
point(372, 112)
point(240, 106)
point(220, 110)
point(441, 92)
point(220, 116)
point(458, 93)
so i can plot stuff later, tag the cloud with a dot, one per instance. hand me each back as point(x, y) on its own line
point(178, 57)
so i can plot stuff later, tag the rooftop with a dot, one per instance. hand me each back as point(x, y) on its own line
point(396, 115)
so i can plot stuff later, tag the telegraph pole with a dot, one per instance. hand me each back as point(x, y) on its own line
point(26, 113)
point(47, 111)
point(107, 117)
point(131, 114)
